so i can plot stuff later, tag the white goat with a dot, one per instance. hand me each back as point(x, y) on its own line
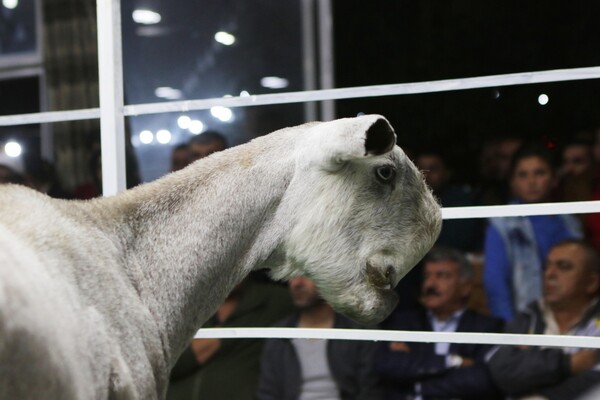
point(98, 298)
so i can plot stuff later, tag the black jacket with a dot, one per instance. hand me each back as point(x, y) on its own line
point(400, 370)
point(545, 371)
point(350, 363)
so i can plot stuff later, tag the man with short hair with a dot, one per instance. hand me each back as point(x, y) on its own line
point(465, 234)
point(569, 306)
point(439, 370)
point(205, 144)
point(180, 157)
point(303, 369)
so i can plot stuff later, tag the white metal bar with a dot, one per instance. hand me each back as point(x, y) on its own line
point(49, 117)
point(523, 78)
point(516, 210)
point(326, 56)
point(112, 122)
point(403, 336)
point(317, 95)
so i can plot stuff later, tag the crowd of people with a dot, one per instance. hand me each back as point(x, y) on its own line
point(540, 274)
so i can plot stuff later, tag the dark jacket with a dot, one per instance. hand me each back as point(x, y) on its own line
point(545, 371)
point(350, 363)
point(400, 370)
point(237, 360)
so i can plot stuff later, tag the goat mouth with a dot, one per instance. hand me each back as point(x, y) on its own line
point(383, 280)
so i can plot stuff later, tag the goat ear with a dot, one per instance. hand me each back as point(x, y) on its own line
point(380, 138)
point(347, 139)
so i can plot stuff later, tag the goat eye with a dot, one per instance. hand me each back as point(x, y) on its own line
point(385, 174)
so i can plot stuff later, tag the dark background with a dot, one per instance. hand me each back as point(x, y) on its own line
point(386, 42)
point(375, 42)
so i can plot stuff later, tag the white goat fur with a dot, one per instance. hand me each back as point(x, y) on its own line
point(98, 298)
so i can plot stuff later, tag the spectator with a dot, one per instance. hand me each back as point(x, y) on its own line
point(180, 157)
point(229, 369)
point(516, 246)
point(12, 169)
point(569, 306)
point(440, 370)
point(93, 187)
point(495, 162)
point(576, 172)
point(42, 177)
point(461, 234)
point(205, 144)
point(316, 369)
point(592, 221)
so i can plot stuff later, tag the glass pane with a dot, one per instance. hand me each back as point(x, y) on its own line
point(190, 50)
point(18, 143)
point(71, 54)
point(382, 42)
point(18, 29)
point(462, 124)
point(155, 136)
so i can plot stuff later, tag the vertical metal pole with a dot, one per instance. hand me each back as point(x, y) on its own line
point(326, 56)
point(112, 122)
point(46, 131)
point(309, 57)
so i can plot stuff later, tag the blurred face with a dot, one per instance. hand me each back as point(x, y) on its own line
point(596, 147)
point(9, 176)
point(532, 180)
point(506, 150)
point(304, 293)
point(6, 175)
point(444, 291)
point(436, 174)
point(201, 150)
point(180, 159)
point(577, 159)
point(567, 279)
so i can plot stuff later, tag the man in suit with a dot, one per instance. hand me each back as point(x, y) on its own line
point(439, 370)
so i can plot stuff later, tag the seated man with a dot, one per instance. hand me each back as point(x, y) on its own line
point(569, 307)
point(439, 370)
point(208, 367)
point(314, 368)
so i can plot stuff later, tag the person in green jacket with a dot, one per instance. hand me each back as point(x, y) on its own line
point(213, 369)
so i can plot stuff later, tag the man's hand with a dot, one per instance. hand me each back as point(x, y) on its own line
point(204, 349)
point(399, 346)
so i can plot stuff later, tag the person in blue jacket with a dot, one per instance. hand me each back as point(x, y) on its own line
point(515, 246)
point(439, 370)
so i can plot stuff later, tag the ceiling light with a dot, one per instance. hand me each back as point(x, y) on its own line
point(274, 82)
point(543, 99)
point(221, 113)
point(146, 17)
point(13, 149)
point(196, 126)
point(163, 136)
point(225, 38)
point(10, 4)
point(184, 122)
point(146, 137)
point(169, 93)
